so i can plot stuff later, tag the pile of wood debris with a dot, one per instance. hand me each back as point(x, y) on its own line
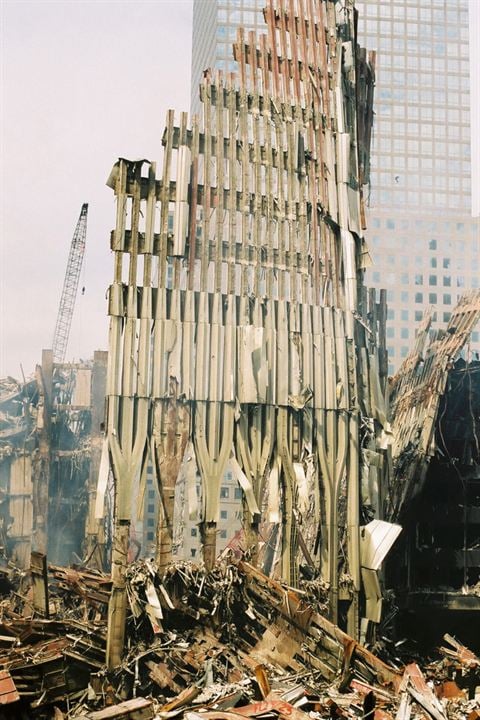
point(221, 645)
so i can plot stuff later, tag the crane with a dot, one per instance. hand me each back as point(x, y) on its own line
point(70, 287)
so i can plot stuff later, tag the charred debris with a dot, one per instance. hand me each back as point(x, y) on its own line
point(242, 336)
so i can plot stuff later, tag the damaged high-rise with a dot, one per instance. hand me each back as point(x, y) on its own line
point(51, 434)
point(434, 490)
point(241, 331)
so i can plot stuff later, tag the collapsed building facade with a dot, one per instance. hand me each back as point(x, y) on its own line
point(50, 448)
point(240, 327)
point(434, 491)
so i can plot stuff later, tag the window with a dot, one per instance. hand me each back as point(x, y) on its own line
point(418, 315)
point(432, 244)
point(193, 532)
point(447, 316)
point(223, 534)
point(404, 314)
point(151, 494)
point(390, 332)
point(150, 508)
point(150, 522)
point(447, 299)
point(223, 514)
point(238, 493)
point(432, 279)
point(404, 296)
point(418, 279)
point(447, 281)
point(419, 297)
point(150, 536)
point(224, 492)
point(193, 552)
point(404, 333)
point(432, 298)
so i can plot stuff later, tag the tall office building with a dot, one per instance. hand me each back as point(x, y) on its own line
point(424, 244)
point(423, 240)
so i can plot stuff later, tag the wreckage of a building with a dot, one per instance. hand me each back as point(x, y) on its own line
point(50, 449)
point(242, 335)
point(241, 330)
point(435, 488)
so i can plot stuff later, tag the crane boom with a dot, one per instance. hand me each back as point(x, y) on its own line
point(70, 287)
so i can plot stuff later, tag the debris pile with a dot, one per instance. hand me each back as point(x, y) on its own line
point(220, 645)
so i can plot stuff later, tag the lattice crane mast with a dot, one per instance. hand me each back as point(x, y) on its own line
point(70, 287)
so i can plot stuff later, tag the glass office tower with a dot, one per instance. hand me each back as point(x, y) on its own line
point(423, 241)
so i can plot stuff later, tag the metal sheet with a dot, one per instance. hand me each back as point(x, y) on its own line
point(376, 539)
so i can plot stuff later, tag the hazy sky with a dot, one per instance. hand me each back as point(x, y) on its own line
point(83, 82)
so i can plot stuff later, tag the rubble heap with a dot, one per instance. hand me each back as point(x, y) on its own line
point(220, 645)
